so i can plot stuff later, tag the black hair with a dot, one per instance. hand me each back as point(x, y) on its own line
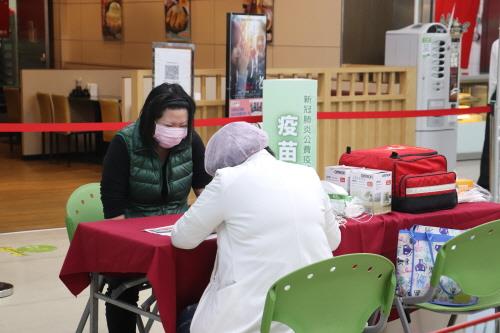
point(164, 96)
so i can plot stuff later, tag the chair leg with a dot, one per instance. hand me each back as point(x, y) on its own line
point(43, 144)
point(51, 145)
point(402, 315)
point(453, 320)
point(85, 147)
point(56, 139)
point(76, 143)
point(69, 149)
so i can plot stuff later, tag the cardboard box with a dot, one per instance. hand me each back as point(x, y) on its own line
point(373, 188)
point(339, 175)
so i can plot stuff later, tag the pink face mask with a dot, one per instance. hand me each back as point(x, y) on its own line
point(168, 137)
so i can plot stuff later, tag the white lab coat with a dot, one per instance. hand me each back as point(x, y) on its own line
point(271, 218)
point(493, 75)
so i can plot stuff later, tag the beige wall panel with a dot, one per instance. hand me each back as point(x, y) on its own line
point(222, 7)
point(143, 22)
point(91, 22)
point(202, 22)
point(71, 51)
point(71, 20)
point(307, 23)
point(204, 56)
point(137, 55)
point(57, 54)
point(269, 57)
point(220, 56)
point(56, 11)
point(102, 53)
point(316, 57)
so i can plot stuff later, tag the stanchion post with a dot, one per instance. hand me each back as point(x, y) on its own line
point(495, 138)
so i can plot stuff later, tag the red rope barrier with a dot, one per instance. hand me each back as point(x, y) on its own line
point(97, 127)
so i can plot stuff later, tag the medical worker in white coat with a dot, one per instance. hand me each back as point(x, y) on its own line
point(271, 218)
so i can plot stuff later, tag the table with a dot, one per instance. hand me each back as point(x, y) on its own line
point(178, 277)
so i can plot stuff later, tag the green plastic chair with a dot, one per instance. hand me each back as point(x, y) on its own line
point(471, 259)
point(83, 205)
point(334, 295)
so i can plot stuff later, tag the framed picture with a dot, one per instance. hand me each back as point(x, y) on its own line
point(265, 7)
point(245, 64)
point(178, 20)
point(112, 19)
point(174, 63)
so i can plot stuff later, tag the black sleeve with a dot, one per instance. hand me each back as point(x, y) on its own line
point(115, 178)
point(200, 177)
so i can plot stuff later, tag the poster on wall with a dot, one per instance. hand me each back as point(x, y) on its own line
point(265, 7)
point(178, 20)
point(112, 19)
point(245, 64)
point(174, 63)
point(4, 18)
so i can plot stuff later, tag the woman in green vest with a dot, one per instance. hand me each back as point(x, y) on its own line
point(149, 169)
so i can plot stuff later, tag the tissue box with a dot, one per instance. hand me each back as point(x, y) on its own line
point(373, 188)
point(339, 175)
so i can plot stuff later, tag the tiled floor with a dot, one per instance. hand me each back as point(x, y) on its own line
point(41, 303)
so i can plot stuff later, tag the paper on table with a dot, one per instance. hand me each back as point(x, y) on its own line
point(162, 231)
point(167, 231)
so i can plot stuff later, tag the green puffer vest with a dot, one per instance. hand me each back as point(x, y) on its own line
point(148, 176)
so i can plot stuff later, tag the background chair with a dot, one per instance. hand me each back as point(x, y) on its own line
point(110, 113)
point(46, 110)
point(62, 114)
point(472, 261)
point(334, 295)
point(85, 205)
point(13, 103)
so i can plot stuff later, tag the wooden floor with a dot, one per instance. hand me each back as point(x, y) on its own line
point(33, 193)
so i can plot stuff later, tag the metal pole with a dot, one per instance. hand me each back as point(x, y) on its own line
point(495, 138)
point(94, 303)
point(416, 11)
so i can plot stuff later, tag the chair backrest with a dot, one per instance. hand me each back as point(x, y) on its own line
point(46, 108)
point(334, 295)
point(110, 113)
point(83, 205)
point(13, 102)
point(61, 109)
point(472, 260)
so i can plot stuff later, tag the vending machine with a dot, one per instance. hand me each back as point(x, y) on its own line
point(428, 47)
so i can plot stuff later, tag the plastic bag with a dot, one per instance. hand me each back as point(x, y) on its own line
point(342, 203)
point(476, 194)
point(338, 197)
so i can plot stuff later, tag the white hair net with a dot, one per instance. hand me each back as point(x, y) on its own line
point(232, 145)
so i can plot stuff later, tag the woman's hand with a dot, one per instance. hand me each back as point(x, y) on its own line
point(120, 217)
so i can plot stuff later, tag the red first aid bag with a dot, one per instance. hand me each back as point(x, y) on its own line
point(420, 179)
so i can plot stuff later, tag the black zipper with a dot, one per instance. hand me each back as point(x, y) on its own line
point(421, 154)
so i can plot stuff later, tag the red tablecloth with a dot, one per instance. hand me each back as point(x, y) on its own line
point(178, 277)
